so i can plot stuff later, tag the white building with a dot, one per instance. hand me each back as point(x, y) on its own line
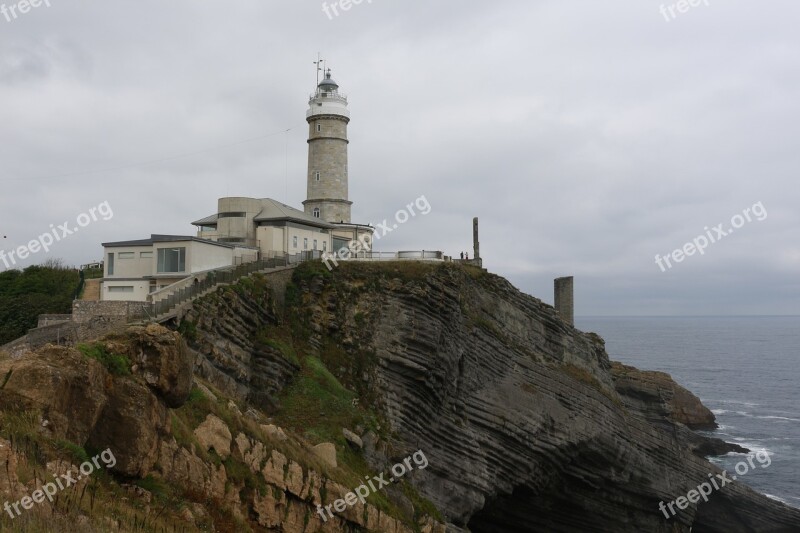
point(276, 228)
point(247, 229)
point(272, 227)
point(135, 269)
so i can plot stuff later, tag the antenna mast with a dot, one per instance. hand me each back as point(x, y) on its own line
point(319, 62)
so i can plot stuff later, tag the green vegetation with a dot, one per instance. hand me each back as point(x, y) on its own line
point(317, 404)
point(93, 273)
point(188, 330)
point(72, 451)
point(422, 506)
point(279, 339)
point(37, 290)
point(119, 365)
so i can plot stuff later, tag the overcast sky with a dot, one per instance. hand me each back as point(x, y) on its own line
point(588, 136)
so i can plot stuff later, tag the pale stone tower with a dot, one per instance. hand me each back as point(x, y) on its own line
point(327, 118)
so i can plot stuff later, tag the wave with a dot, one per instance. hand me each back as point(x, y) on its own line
point(776, 498)
point(754, 447)
point(720, 411)
point(737, 402)
point(779, 418)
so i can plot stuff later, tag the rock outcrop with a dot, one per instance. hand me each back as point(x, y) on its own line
point(224, 326)
point(81, 401)
point(518, 412)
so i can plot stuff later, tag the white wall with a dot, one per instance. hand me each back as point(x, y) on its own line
point(130, 268)
point(271, 240)
point(311, 236)
point(141, 288)
point(202, 256)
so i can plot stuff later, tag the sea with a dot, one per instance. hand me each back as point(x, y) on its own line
point(745, 369)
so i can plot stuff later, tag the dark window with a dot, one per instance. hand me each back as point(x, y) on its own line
point(233, 214)
point(171, 260)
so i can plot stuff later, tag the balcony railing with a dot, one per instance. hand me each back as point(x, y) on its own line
point(336, 97)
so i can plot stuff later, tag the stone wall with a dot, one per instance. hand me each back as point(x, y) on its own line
point(86, 311)
point(62, 334)
point(47, 320)
point(277, 281)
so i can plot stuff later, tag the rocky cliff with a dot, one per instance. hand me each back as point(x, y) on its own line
point(524, 422)
point(527, 424)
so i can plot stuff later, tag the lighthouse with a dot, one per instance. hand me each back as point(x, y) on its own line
point(327, 118)
point(327, 197)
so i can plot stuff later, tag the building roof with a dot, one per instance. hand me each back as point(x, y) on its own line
point(208, 221)
point(273, 210)
point(168, 238)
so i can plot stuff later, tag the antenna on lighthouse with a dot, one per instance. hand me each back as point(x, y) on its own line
point(319, 62)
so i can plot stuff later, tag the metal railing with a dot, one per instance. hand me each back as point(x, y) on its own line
point(197, 286)
point(215, 278)
point(415, 255)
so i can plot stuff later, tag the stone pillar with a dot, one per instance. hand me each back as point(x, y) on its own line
point(476, 244)
point(564, 299)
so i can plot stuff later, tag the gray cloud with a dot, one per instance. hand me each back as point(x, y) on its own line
point(587, 136)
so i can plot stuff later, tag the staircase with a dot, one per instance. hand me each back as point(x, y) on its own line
point(169, 301)
point(91, 290)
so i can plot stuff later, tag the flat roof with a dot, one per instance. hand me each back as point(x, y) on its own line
point(170, 238)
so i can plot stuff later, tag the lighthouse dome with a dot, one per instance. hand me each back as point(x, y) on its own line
point(328, 84)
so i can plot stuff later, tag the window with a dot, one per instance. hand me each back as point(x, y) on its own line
point(294, 241)
point(126, 255)
point(233, 214)
point(110, 264)
point(145, 255)
point(324, 246)
point(305, 244)
point(121, 289)
point(316, 212)
point(317, 176)
point(319, 127)
point(315, 244)
point(171, 260)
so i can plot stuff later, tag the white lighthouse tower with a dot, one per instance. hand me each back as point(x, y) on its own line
point(327, 197)
point(328, 117)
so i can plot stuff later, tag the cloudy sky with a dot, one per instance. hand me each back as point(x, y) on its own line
point(588, 136)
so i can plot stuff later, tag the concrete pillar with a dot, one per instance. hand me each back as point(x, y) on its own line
point(476, 244)
point(564, 299)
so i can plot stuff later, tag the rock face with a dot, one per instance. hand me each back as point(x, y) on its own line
point(657, 396)
point(226, 325)
point(518, 412)
point(214, 434)
point(82, 402)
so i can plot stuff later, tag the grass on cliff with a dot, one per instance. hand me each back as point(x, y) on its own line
point(317, 404)
point(98, 501)
point(278, 339)
point(119, 365)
